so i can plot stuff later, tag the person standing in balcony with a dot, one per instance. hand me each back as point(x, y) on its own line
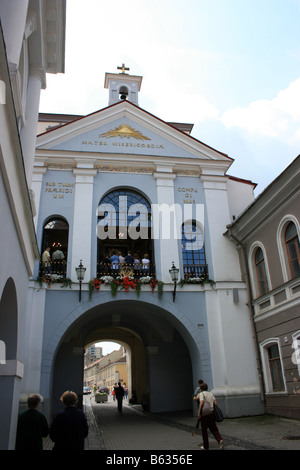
point(58, 259)
point(46, 261)
point(121, 259)
point(136, 263)
point(129, 259)
point(114, 259)
point(146, 265)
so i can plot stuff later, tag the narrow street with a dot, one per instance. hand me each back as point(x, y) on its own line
point(133, 429)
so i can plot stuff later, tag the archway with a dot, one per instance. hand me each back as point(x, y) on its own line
point(8, 337)
point(134, 358)
point(160, 356)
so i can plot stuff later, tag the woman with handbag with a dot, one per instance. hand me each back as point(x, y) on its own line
point(206, 414)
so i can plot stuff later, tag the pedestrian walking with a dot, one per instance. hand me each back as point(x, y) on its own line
point(119, 391)
point(32, 426)
point(114, 391)
point(69, 427)
point(206, 414)
point(125, 391)
point(196, 397)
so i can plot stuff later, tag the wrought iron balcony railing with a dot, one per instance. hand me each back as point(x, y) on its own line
point(131, 270)
point(196, 272)
point(57, 268)
point(190, 272)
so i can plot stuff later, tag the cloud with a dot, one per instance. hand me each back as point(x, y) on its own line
point(278, 118)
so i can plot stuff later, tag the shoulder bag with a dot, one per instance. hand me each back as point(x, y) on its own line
point(218, 415)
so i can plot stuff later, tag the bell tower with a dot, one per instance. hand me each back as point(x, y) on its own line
point(122, 86)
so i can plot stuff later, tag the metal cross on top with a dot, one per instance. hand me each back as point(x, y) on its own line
point(123, 68)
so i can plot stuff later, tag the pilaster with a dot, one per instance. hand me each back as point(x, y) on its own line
point(36, 186)
point(165, 223)
point(83, 217)
point(29, 131)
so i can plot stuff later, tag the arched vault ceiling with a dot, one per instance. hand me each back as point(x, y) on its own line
point(118, 316)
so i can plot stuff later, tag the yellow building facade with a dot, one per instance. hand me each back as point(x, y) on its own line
point(107, 371)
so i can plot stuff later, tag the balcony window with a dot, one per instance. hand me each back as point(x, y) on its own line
point(55, 237)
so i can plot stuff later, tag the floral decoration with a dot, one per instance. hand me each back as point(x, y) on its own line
point(196, 280)
point(127, 283)
point(153, 284)
point(54, 279)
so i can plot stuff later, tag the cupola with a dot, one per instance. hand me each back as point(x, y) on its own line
point(122, 86)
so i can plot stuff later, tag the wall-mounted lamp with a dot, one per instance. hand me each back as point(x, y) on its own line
point(174, 276)
point(80, 271)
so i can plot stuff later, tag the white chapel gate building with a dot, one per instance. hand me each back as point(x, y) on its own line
point(121, 180)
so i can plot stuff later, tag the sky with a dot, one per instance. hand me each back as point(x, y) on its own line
point(230, 67)
point(108, 347)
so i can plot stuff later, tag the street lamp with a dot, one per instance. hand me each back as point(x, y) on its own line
point(174, 276)
point(80, 271)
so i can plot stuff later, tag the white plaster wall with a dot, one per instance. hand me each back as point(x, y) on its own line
point(231, 343)
point(34, 340)
point(240, 195)
point(223, 255)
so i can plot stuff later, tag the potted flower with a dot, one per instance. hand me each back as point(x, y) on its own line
point(100, 397)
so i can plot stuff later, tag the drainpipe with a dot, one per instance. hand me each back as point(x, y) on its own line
point(239, 244)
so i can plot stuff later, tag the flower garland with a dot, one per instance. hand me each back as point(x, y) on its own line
point(94, 284)
point(54, 279)
point(126, 283)
point(153, 284)
point(197, 280)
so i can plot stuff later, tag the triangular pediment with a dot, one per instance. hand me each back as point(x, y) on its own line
point(122, 129)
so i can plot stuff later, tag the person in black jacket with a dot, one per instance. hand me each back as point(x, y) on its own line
point(32, 426)
point(69, 427)
point(119, 391)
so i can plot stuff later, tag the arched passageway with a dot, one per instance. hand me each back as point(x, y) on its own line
point(135, 360)
point(159, 348)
